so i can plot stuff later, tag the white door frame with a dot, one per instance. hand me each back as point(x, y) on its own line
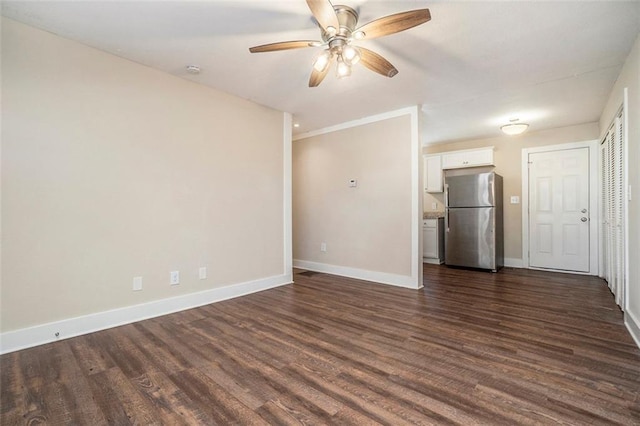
point(594, 213)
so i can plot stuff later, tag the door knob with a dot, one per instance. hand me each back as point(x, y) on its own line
point(583, 210)
point(584, 219)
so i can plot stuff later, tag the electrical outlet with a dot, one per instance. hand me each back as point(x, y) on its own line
point(137, 283)
point(434, 206)
point(202, 273)
point(175, 278)
point(515, 199)
point(323, 247)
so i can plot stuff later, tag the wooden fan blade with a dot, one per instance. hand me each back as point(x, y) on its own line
point(323, 11)
point(376, 63)
point(317, 76)
point(283, 45)
point(394, 23)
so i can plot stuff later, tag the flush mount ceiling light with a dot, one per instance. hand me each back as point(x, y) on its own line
point(338, 29)
point(514, 128)
point(193, 69)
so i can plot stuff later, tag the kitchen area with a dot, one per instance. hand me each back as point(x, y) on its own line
point(463, 220)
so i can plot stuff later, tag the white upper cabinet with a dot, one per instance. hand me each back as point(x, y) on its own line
point(467, 158)
point(434, 164)
point(433, 173)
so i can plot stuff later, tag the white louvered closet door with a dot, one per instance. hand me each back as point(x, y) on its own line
point(612, 199)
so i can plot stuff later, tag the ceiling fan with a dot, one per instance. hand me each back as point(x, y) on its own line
point(338, 26)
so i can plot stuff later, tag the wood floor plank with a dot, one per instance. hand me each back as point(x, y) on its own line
point(68, 392)
point(189, 345)
point(276, 412)
point(219, 404)
point(89, 355)
point(278, 382)
point(398, 411)
point(438, 411)
point(32, 402)
point(514, 347)
point(122, 400)
point(12, 396)
point(248, 394)
point(172, 402)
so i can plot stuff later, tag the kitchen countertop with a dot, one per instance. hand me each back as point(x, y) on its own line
point(432, 215)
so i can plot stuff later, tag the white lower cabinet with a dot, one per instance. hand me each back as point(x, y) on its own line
point(433, 240)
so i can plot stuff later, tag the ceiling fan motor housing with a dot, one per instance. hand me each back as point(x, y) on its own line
point(348, 19)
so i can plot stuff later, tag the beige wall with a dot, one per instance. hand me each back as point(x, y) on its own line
point(508, 163)
point(630, 78)
point(112, 170)
point(367, 227)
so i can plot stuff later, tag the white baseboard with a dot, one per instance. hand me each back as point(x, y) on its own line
point(511, 262)
point(633, 325)
point(46, 333)
point(361, 274)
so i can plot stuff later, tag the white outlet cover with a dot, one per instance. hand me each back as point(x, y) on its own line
point(137, 283)
point(515, 199)
point(323, 246)
point(202, 273)
point(175, 278)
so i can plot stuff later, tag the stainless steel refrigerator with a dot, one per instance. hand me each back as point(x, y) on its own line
point(473, 221)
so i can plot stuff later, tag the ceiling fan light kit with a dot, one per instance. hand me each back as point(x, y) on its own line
point(351, 55)
point(322, 61)
point(342, 68)
point(338, 29)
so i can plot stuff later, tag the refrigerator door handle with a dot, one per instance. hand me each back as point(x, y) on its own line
point(492, 193)
point(446, 221)
point(446, 207)
point(446, 196)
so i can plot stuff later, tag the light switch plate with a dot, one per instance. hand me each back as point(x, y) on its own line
point(137, 283)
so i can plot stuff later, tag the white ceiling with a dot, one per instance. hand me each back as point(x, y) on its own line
point(471, 68)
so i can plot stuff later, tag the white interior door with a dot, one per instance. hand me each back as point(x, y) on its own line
point(559, 210)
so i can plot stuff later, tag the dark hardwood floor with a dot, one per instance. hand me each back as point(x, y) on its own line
point(516, 347)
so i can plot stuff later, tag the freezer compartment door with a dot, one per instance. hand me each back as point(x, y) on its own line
point(470, 237)
point(475, 190)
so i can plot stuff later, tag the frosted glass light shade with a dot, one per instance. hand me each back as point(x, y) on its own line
point(514, 129)
point(343, 69)
point(351, 55)
point(322, 61)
